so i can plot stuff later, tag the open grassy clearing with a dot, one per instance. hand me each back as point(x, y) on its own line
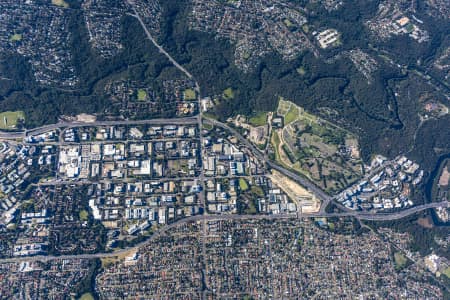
point(210, 115)
point(60, 3)
point(243, 185)
point(275, 140)
point(446, 272)
point(308, 118)
point(316, 148)
point(258, 120)
point(141, 95)
point(292, 115)
point(228, 94)
point(301, 71)
point(106, 261)
point(400, 260)
point(189, 95)
point(257, 190)
point(208, 126)
point(16, 37)
point(87, 296)
point(9, 119)
point(283, 106)
point(288, 23)
point(305, 28)
point(84, 215)
point(286, 157)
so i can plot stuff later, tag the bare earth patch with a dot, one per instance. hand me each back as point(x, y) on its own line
point(306, 201)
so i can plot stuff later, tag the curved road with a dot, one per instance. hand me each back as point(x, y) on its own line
point(150, 37)
point(325, 198)
point(358, 215)
point(175, 121)
point(6, 135)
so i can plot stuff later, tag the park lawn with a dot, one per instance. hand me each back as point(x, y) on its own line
point(60, 3)
point(275, 141)
point(409, 28)
point(259, 119)
point(261, 147)
point(141, 95)
point(276, 144)
point(257, 190)
point(228, 93)
point(9, 119)
point(211, 116)
point(251, 210)
point(243, 185)
point(308, 118)
point(305, 28)
point(189, 95)
point(400, 260)
point(301, 71)
point(284, 106)
point(84, 215)
point(288, 23)
point(291, 115)
point(16, 37)
point(87, 296)
point(207, 126)
point(446, 272)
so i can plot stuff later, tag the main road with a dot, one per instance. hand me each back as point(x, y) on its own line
point(325, 198)
point(160, 48)
point(198, 218)
point(12, 135)
point(15, 135)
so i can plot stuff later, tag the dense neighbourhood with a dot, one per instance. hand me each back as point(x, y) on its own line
point(191, 207)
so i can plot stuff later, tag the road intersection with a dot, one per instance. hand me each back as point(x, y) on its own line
point(200, 120)
point(205, 218)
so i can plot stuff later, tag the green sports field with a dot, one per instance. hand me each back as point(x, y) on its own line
point(9, 119)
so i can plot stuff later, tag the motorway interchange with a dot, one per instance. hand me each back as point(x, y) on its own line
point(205, 216)
point(200, 120)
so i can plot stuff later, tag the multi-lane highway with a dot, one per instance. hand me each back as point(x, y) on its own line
point(198, 218)
point(192, 120)
point(10, 135)
point(20, 135)
point(175, 121)
point(325, 198)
